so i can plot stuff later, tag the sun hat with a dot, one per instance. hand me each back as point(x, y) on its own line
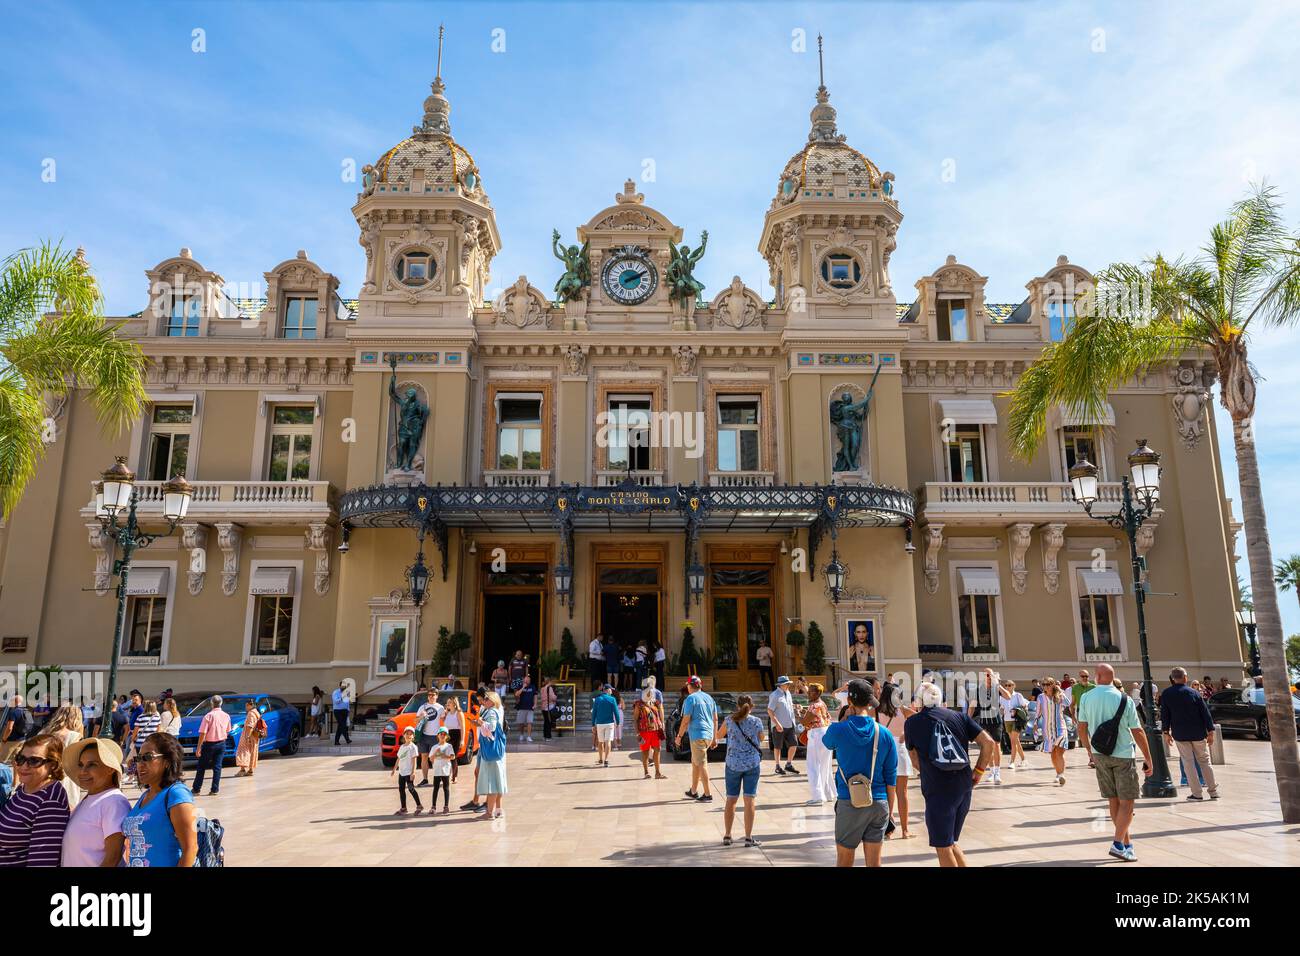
point(110, 755)
point(443, 730)
point(783, 680)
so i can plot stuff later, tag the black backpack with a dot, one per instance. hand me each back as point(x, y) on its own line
point(1106, 737)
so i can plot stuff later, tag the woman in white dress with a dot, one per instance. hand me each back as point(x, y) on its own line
point(170, 718)
point(815, 719)
point(892, 715)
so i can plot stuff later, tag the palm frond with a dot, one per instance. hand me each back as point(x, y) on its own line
point(44, 279)
point(22, 423)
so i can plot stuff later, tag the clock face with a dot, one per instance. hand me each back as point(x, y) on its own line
point(629, 279)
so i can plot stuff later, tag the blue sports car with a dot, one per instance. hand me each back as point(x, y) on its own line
point(283, 722)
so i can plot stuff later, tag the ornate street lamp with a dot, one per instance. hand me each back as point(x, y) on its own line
point(835, 577)
point(563, 582)
point(1144, 481)
point(1246, 619)
point(417, 579)
point(695, 575)
point(115, 494)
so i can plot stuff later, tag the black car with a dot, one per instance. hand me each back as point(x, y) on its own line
point(726, 706)
point(1230, 712)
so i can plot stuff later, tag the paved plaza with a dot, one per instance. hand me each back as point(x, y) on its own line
point(326, 807)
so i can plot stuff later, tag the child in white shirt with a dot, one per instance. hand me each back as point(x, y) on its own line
point(443, 753)
point(405, 770)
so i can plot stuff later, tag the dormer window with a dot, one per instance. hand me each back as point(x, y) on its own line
point(1060, 316)
point(415, 268)
point(952, 320)
point(184, 318)
point(299, 317)
point(841, 270)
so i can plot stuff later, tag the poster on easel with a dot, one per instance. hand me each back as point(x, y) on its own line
point(566, 700)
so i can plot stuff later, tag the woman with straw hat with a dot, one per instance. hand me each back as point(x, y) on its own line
point(94, 834)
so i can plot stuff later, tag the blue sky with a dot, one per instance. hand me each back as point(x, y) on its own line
point(1104, 131)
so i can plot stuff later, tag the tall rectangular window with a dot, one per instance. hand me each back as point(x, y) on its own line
point(519, 433)
point(953, 318)
point(144, 637)
point(184, 318)
point(274, 617)
point(299, 318)
point(1095, 618)
point(291, 435)
point(628, 419)
point(738, 434)
point(976, 616)
point(169, 441)
point(1060, 315)
point(1080, 443)
point(966, 454)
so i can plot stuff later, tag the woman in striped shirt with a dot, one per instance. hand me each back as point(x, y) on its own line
point(34, 818)
point(146, 724)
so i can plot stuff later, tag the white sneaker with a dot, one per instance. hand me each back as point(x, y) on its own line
point(997, 775)
point(530, 740)
point(1060, 779)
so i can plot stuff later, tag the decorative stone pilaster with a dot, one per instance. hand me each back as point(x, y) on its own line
point(1053, 540)
point(320, 538)
point(1146, 539)
point(933, 544)
point(101, 542)
point(1020, 536)
point(194, 539)
point(229, 538)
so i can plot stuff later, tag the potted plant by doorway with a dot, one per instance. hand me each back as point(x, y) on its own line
point(814, 662)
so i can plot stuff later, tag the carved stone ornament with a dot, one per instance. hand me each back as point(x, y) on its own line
point(101, 542)
point(229, 538)
point(1020, 536)
point(194, 540)
point(522, 305)
point(1053, 539)
point(416, 237)
point(320, 538)
point(469, 241)
point(933, 544)
point(737, 307)
point(1189, 404)
point(575, 359)
point(686, 357)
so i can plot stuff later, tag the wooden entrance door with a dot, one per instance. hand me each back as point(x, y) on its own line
point(743, 612)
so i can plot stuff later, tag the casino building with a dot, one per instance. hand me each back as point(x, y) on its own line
point(535, 499)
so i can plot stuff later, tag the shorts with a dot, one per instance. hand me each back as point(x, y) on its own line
point(425, 742)
point(651, 740)
point(993, 727)
point(857, 825)
point(946, 808)
point(782, 739)
point(1117, 777)
point(605, 733)
point(523, 717)
point(741, 781)
point(700, 752)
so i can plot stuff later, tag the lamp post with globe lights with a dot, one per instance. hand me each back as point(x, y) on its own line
point(1139, 501)
point(116, 497)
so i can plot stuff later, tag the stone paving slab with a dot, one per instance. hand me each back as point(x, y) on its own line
point(326, 807)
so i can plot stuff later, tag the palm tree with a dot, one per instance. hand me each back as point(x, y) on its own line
point(1287, 574)
point(1139, 316)
point(54, 338)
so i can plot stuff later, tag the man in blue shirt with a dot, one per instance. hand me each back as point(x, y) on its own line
point(604, 715)
point(1186, 720)
point(863, 747)
point(700, 719)
point(1117, 777)
point(341, 704)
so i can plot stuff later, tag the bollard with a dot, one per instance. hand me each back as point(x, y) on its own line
point(1216, 749)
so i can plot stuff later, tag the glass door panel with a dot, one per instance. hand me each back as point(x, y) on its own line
point(726, 633)
point(758, 628)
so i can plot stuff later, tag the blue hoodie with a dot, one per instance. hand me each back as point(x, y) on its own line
point(852, 739)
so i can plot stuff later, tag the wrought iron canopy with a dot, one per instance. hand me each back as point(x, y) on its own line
point(628, 507)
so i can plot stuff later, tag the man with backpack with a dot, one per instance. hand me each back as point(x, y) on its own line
point(1110, 717)
point(938, 739)
point(866, 757)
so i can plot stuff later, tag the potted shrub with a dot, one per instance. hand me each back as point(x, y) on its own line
point(795, 640)
point(814, 663)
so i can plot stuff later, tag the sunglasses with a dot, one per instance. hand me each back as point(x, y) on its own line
point(149, 758)
point(22, 761)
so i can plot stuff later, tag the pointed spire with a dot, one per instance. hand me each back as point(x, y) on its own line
point(437, 108)
point(823, 114)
